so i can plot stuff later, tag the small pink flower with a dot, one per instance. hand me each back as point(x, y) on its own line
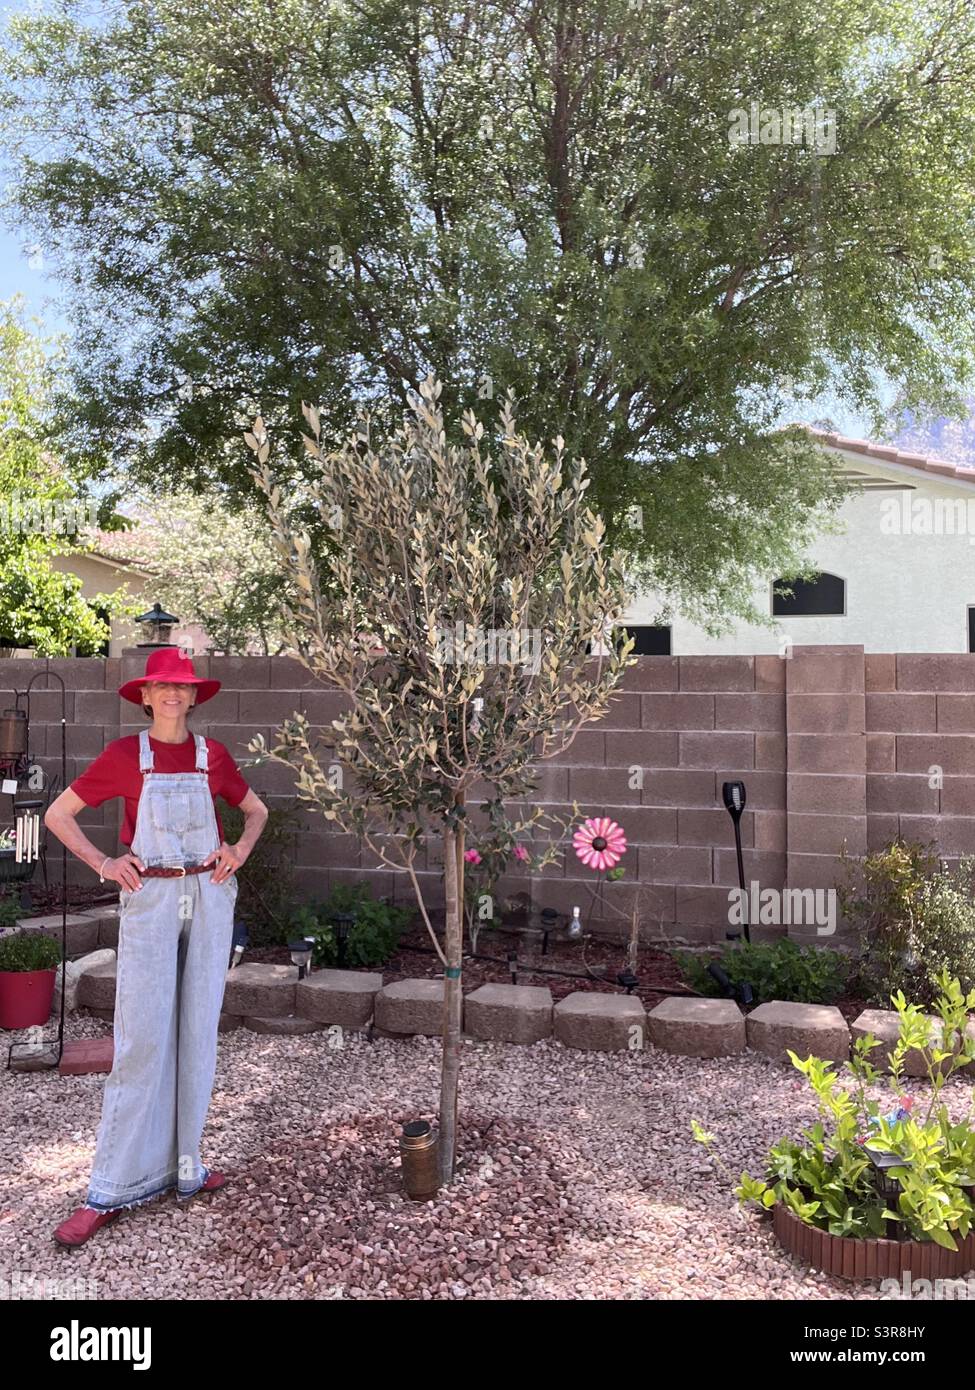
point(599, 843)
point(521, 853)
point(472, 856)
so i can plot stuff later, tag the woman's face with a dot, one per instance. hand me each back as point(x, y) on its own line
point(168, 699)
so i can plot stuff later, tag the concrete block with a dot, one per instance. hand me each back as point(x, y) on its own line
point(257, 990)
point(810, 1030)
point(509, 1013)
point(697, 1027)
point(345, 997)
point(600, 1022)
point(411, 1006)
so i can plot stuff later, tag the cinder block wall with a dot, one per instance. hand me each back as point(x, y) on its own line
point(834, 747)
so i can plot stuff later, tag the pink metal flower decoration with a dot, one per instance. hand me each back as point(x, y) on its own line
point(599, 843)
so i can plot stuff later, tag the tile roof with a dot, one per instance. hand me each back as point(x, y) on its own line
point(922, 463)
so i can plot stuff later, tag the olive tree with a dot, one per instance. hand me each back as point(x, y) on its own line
point(472, 624)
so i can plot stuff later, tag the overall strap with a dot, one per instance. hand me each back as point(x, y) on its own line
point(145, 752)
point(201, 753)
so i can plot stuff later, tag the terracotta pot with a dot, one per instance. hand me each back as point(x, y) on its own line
point(26, 997)
point(852, 1258)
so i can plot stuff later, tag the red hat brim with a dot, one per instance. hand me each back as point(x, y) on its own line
point(132, 690)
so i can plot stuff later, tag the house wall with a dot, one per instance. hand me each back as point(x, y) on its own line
point(101, 577)
point(835, 747)
point(905, 592)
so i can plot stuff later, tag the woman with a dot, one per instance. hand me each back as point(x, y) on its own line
point(175, 934)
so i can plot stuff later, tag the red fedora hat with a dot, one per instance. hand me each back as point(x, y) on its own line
point(169, 664)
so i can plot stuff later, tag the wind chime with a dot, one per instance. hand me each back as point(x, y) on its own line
point(15, 769)
point(16, 777)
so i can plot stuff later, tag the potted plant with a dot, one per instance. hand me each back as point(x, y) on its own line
point(872, 1191)
point(28, 965)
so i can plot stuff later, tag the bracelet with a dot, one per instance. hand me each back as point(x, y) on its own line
point(103, 863)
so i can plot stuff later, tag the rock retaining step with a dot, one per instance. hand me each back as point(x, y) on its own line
point(345, 997)
point(509, 1013)
point(256, 990)
point(81, 934)
point(697, 1027)
point(884, 1024)
point(411, 1006)
point(816, 1030)
point(96, 986)
point(600, 1022)
point(289, 1027)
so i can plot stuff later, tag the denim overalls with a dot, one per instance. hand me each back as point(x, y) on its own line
point(175, 936)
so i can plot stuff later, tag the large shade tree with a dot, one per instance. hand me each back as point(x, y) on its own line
point(471, 594)
point(265, 201)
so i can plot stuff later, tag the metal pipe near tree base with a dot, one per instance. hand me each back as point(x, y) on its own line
point(419, 1148)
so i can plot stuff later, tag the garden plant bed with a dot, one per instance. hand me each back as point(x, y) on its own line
point(870, 1259)
point(656, 969)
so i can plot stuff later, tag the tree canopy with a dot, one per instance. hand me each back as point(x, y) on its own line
point(269, 201)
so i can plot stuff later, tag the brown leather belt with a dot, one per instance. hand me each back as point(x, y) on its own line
point(161, 872)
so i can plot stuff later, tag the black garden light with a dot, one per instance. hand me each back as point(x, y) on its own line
point(627, 980)
point(734, 800)
point(550, 920)
point(343, 922)
point(890, 1188)
point(742, 992)
point(300, 955)
point(513, 966)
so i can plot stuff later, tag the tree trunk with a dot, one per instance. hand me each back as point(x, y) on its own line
point(453, 1003)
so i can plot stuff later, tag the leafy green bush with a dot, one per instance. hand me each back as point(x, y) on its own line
point(913, 919)
point(775, 970)
point(830, 1181)
point(10, 909)
point(266, 879)
point(373, 937)
point(29, 950)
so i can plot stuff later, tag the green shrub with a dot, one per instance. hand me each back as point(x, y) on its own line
point(828, 1179)
point(266, 879)
point(373, 937)
point(913, 919)
point(29, 950)
point(10, 909)
point(775, 970)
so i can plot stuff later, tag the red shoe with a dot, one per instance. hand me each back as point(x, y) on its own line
point(82, 1224)
point(214, 1180)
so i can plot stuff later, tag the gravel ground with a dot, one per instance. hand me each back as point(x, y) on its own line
point(578, 1178)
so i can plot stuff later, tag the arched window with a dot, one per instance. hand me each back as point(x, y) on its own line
point(824, 594)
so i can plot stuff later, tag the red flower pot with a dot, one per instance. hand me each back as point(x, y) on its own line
point(26, 997)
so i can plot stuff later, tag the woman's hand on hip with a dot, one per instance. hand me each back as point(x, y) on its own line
point(228, 860)
point(126, 871)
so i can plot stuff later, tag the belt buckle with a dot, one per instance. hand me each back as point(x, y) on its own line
point(181, 872)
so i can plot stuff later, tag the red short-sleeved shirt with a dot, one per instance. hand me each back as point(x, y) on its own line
point(115, 772)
